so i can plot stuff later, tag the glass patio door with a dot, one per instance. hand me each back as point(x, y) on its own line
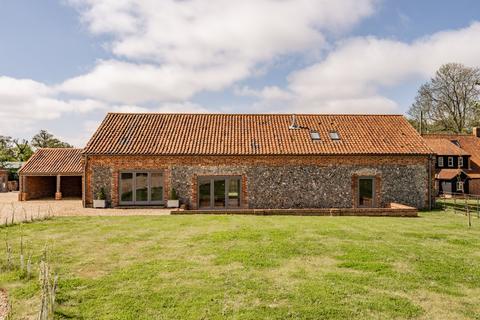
point(141, 188)
point(218, 192)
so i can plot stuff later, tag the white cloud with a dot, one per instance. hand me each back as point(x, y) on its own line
point(175, 49)
point(23, 102)
point(355, 72)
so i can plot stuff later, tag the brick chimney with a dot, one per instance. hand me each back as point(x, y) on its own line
point(476, 132)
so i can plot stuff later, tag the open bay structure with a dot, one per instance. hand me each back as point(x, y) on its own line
point(247, 161)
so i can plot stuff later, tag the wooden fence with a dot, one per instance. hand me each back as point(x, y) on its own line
point(461, 203)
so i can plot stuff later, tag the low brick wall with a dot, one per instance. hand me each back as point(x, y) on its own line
point(394, 210)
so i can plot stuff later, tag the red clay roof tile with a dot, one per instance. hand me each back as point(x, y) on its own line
point(54, 161)
point(253, 134)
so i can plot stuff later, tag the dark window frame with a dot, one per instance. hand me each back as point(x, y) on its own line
point(134, 201)
point(374, 193)
point(211, 179)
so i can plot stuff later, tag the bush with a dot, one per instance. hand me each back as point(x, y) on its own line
point(101, 194)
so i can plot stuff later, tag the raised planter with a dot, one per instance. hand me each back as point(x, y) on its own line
point(173, 203)
point(99, 203)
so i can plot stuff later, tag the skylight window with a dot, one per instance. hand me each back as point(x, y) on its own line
point(334, 135)
point(315, 135)
point(455, 142)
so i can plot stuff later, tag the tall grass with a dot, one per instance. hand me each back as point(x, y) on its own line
point(23, 266)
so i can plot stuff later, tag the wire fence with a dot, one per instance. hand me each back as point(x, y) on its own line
point(460, 203)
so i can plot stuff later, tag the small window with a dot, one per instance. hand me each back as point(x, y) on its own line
point(460, 162)
point(460, 186)
point(315, 135)
point(450, 161)
point(455, 142)
point(440, 161)
point(334, 135)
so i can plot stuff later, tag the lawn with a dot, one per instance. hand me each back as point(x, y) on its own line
point(249, 267)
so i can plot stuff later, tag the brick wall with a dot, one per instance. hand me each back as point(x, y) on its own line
point(71, 186)
point(40, 186)
point(274, 181)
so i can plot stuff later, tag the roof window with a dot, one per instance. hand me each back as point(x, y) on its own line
point(334, 135)
point(455, 142)
point(315, 135)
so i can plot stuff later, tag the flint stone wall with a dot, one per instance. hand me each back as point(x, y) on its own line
point(102, 178)
point(310, 186)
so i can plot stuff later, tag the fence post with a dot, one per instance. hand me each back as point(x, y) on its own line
point(454, 203)
point(478, 211)
point(468, 212)
point(465, 196)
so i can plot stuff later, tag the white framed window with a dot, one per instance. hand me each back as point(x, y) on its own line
point(460, 186)
point(460, 162)
point(440, 161)
point(450, 161)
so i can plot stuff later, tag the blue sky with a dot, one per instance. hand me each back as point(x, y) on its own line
point(65, 63)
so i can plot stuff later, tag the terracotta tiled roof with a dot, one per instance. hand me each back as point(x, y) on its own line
point(445, 147)
point(447, 174)
point(253, 134)
point(54, 161)
point(469, 143)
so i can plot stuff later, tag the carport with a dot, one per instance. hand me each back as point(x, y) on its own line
point(54, 173)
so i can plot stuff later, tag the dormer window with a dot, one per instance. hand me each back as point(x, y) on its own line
point(450, 161)
point(460, 162)
point(334, 135)
point(440, 161)
point(315, 135)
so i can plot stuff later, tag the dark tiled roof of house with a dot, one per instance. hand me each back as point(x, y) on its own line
point(445, 147)
point(253, 134)
point(54, 161)
point(469, 143)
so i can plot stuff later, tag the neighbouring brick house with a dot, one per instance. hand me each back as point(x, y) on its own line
point(52, 173)
point(258, 161)
point(457, 165)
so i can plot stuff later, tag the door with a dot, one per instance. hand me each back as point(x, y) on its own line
point(366, 192)
point(156, 188)
point(141, 188)
point(218, 192)
point(126, 188)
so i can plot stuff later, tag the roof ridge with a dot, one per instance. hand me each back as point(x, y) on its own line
point(261, 114)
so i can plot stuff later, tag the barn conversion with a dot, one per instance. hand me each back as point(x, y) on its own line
point(232, 161)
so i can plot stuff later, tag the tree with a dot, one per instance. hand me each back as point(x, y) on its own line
point(22, 150)
point(449, 101)
point(6, 152)
point(44, 139)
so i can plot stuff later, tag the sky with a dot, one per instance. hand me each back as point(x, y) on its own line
point(65, 63)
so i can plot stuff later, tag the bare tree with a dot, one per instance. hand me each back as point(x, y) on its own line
point(450, 100)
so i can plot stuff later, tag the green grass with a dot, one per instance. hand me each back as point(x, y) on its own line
point(249, 267)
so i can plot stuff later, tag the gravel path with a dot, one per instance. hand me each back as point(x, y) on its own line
point(66, 207)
